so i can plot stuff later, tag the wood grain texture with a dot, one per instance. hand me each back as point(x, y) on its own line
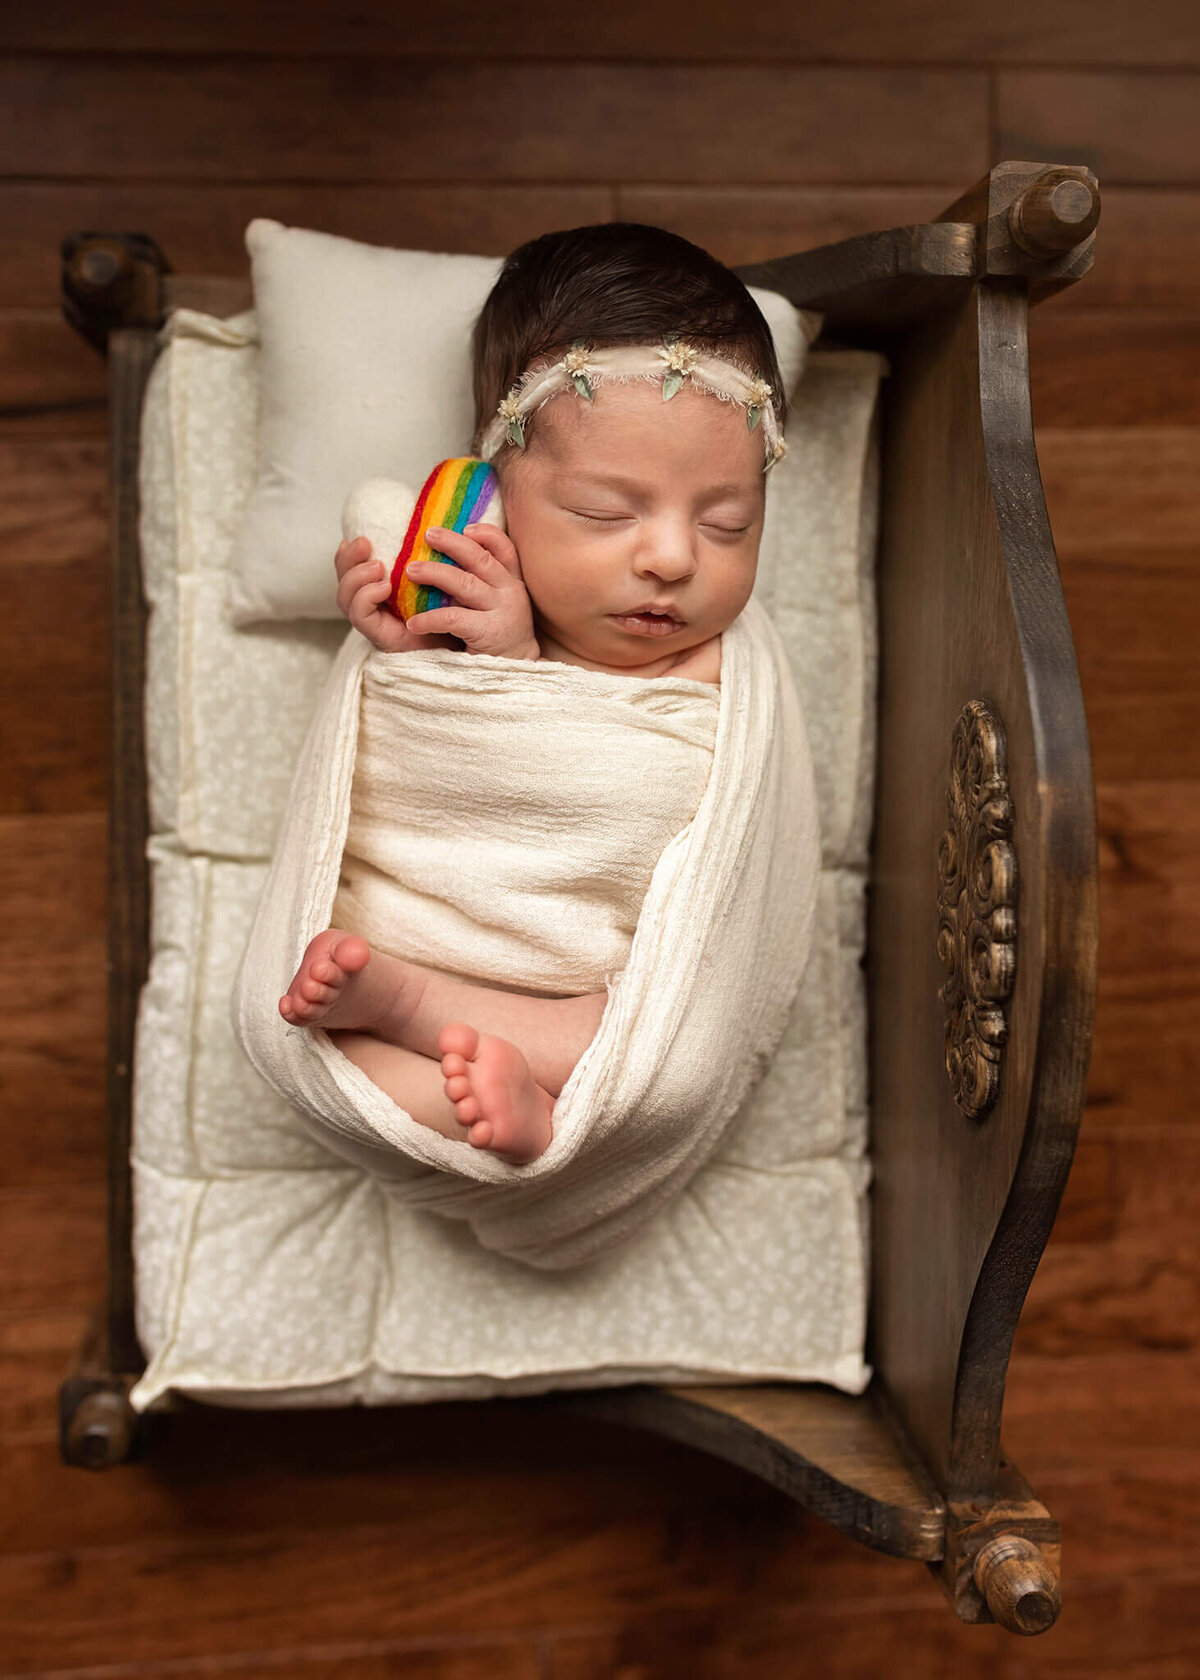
point(840, 1456)
point(1161, 32)
point(44, 379)
point(51, 1245)
point(1137, 1629)
point(201, 227)
point(1131, 127)
point(53, 1063)
point(1113, 367)
point(52, 675)
point(1148, 252)
point(36, 1349)
point(388, 120)
point(968, 609)
point(1130, 608)
point(753, 225)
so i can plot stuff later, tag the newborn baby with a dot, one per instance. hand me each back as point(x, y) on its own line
point(633, 533)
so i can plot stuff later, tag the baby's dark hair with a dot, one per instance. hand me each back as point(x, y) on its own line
point(613, 283)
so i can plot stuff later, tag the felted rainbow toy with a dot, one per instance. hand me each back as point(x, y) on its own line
point(459, 492)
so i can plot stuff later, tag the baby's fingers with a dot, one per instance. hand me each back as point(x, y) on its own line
point(365, 610)
point(351, 553)
point(439, 621)
point(451, 580)
point(498, 544)
point(368, 574)
point(471, 555)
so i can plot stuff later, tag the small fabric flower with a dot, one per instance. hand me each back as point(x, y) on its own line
point(779, 451)
point(510, 410)
point(679, 358)
point(758, 396)
point(575, 366)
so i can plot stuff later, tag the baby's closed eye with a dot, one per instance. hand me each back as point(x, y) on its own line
point(621, 518)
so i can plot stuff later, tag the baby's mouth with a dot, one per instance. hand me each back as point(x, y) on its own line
point(647, 623)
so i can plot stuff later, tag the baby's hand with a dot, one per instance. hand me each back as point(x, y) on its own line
point(363, 587)
point(492, 611)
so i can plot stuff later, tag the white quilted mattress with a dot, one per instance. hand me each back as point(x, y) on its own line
point(270, 1273)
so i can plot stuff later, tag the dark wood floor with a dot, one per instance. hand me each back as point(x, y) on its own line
point(463, 1543)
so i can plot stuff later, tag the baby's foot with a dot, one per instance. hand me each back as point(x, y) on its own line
point(493, 1092)
point(323, 990)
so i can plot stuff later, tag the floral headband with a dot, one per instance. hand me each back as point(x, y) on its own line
point(672, 361)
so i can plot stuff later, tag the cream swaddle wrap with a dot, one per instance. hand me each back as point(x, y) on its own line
point(554, 830)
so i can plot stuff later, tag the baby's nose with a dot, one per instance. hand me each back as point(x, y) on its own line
point(668, 555)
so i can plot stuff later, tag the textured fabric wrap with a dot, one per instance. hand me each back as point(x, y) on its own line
point(491, 817)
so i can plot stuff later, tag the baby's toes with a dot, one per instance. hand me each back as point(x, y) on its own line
point(457, 1087)
point(481, 1135)
point(467, 1110)
point(312, 991)
point(457, 1038)
point(453, 1065)
point(327, 972)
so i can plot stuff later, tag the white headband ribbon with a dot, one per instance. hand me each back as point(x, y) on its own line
point(672, 361)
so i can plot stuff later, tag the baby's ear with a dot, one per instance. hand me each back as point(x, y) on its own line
point(379, 509)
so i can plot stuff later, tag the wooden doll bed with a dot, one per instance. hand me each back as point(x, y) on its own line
point(982, 919)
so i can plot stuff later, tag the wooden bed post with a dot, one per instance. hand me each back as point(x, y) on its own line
point(113, 295)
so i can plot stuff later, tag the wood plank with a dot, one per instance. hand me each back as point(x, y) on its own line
point(52, 883)
point(37, 1349)
point(52, 1246)
point(1118, 1630)
point(1114, 367)
point(49, 377)
point(219, 1471)
point(1121, 487)
point(748, 225)
point(1163, 32)
point(1133, 616)
point(1146, 1056)
point(417, 120)
point(1094, 1417)
point(347, 1660)
point(53, 513)
point(444, 1559)
point(1142, 1293)
point(201, 227)
point(1147, 253)
point(54, 683)
point(1150, 839)
point(1132, 127)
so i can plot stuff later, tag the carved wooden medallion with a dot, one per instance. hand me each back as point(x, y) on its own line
point(977, 908)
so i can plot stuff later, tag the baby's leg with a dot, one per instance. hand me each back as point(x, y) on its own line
point(481, 1092)
point(342, 983)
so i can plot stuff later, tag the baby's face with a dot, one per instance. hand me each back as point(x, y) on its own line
point(630, 502)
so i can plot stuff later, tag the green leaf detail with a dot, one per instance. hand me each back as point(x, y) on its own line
point(516, 433)
point(753, 415)
point(671, 384)
point(583, 385)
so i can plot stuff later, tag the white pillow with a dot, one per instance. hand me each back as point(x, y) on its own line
point(366, 372)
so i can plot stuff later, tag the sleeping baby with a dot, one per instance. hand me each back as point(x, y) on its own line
point(629, 399)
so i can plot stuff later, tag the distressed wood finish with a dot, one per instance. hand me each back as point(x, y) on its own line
point(131, 357)
point(970, 608)
point(839, 1455)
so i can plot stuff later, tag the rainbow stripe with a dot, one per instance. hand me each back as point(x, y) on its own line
point(457, 492)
